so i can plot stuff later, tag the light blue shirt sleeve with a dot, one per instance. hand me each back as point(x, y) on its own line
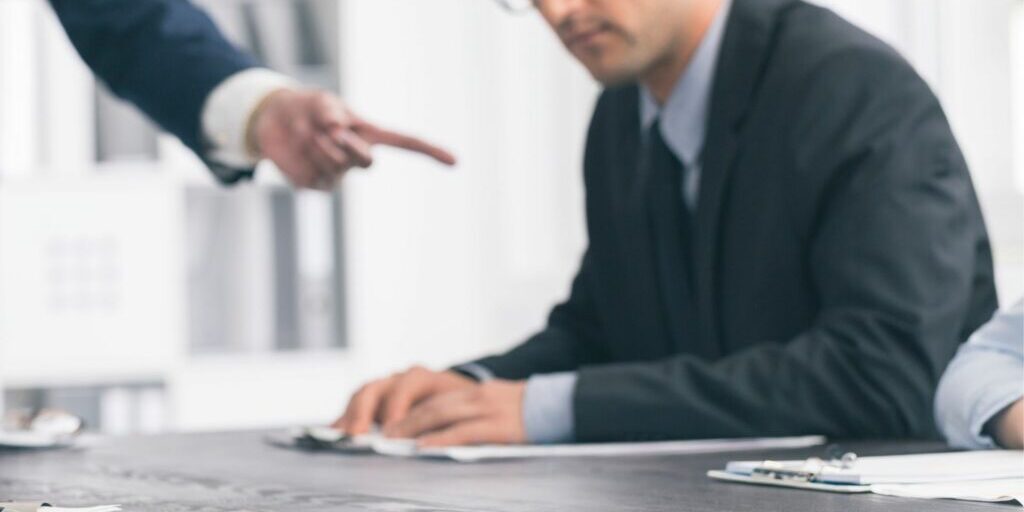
point(547, 408)
point(985, 377)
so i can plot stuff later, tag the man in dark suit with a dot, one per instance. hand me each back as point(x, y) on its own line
point(784, 239)
point(169, 59)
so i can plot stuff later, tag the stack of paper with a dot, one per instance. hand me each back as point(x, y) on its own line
point(907, 469)
point(990, 491)
point(32, 440)
point(490, 452)
point(34, 430)
point(992, 476)
point(329, 439)
point(46, 507)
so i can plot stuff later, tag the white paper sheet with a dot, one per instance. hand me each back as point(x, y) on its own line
point(104, 508)
point(42, 507)
point(991, 491)
point(26, 439)
point(329, 439)
point(907, 469)
point(405, 448)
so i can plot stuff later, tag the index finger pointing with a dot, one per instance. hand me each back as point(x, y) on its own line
point(375, 135)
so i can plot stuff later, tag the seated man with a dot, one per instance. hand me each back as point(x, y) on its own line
point(980, 402)
point(784, 239)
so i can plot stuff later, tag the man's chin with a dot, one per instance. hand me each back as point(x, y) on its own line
point(611, 74)
point(613, 78)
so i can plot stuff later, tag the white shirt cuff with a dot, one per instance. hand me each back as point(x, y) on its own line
point(985, 377)
point(478, 372)
point(230, 107)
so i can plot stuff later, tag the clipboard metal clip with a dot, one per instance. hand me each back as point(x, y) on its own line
point(811, 470)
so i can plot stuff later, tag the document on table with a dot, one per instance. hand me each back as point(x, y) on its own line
point(906, 469)
point(316, 438)
point(489, 452)
point(45, 507)
point(30, 440)
point(989, 476)
point(37, 430)
point(989, 491)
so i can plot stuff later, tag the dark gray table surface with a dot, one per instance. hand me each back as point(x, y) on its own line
point(238, 471)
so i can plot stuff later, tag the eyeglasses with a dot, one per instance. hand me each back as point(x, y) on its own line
point(518, 6)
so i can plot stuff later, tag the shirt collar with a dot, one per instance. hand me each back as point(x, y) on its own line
point(685, 114)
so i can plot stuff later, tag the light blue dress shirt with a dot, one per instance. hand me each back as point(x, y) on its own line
point(985, 377)
point(547, 402)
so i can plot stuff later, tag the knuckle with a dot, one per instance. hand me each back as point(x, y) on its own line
point(369, 388)
point(325, 102)
point(416, 373)
point(430, 409)
point(491, 392)
point(356, 406)
point(478, 395)
point(300, 127)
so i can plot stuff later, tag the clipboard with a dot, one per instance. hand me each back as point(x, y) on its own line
point(791, 483)
point(850, 475)
point(812, 474)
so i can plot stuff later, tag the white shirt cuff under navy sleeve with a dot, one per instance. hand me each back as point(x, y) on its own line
point(985, 377)
point(230, 107)
point(547, 408)
point(478, 372)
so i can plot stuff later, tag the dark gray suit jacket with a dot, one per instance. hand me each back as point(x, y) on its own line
point(840, 256)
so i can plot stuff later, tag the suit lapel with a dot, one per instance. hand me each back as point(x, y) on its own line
point(742, 61)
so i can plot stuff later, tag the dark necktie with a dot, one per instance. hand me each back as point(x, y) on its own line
point(670, 228)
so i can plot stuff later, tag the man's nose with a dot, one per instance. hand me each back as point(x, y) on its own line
point(559, 12)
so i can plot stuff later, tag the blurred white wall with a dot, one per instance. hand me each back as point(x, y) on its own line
point(449, 264)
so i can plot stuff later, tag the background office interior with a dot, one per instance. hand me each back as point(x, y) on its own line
point(136, 292)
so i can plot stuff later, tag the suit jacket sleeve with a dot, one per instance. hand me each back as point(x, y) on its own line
point(165, 56)
point(891, 258)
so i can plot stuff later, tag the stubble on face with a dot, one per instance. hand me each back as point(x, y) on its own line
point(625, 41)
point(619, 40)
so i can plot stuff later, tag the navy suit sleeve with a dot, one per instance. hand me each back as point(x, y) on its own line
point(165, 56)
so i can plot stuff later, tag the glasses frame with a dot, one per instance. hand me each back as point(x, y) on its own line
point(517, 6)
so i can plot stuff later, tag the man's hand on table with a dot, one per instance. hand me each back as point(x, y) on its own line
point(314, 138)
point(438, 409)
